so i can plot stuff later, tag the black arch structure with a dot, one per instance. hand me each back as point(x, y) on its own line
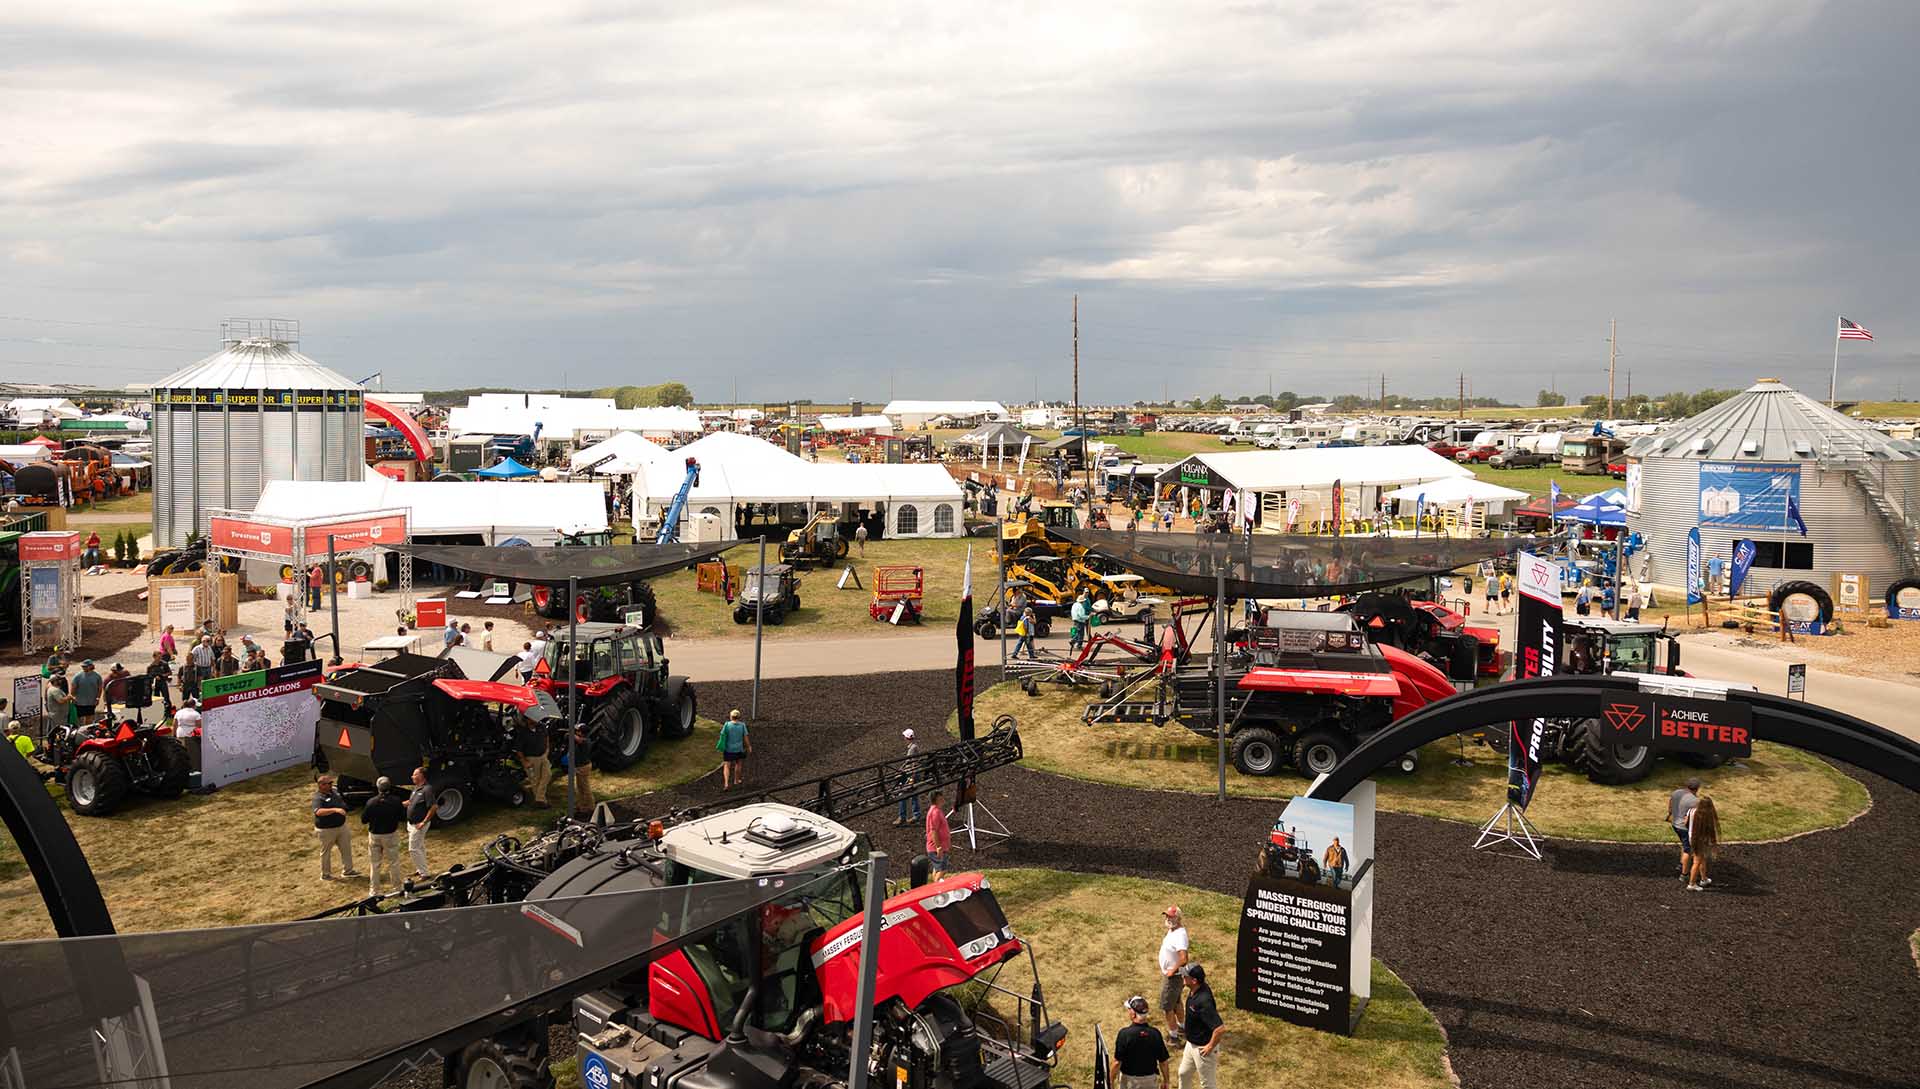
point(1809, 726)
point(46, 841)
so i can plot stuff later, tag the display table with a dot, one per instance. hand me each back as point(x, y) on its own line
point(389, 645)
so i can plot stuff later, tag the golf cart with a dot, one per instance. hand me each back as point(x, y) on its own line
point(773, 591)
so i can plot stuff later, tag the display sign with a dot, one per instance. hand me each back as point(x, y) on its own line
point(1904, 602)
point(26, 697)
point(429, 613)
point(1744, 550)
point(258, 722)
point(1633, 487)
point(49, 547)
point(1696, 584)
point(246, 535)
point(1677, 724)
point(1193, 471)
point(1850, 591)
point(354, 534)
point(1748, 495)
point(176, 608)
point(1797, 679)
point(1538, 620)
point(44, 593)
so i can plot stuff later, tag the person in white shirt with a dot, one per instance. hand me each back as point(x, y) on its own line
point(527, 661)
point(187, 719)
point(1173, 958)
point(486, 637)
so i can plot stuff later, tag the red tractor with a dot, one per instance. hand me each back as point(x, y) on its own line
point(626, 694)
point(103, 764)
point(1426, 626)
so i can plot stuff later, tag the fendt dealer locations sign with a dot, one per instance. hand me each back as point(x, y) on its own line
point(1678, 724)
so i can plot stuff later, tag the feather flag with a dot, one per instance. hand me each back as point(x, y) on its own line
point(963, 664)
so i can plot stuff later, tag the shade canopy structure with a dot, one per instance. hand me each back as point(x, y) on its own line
point(1453, 491)
point(1290, 565)
point(869, 422)
point(592, 566)
point(1596, 511)
point(564, 418)
point(621, 454)
point(507, 469)
point(494, 509)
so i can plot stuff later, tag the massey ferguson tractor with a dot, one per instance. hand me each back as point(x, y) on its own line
point(626, 695)
point(103, 765)
point(765, 998)
point(1303, 689)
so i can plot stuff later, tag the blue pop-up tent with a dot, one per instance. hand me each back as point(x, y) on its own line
point(507, 469)
point(1598, 511)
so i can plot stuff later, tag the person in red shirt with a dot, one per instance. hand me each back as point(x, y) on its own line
point(939, 838)
point(315, 580)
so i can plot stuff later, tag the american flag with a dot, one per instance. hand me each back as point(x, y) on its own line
point(1850, 330)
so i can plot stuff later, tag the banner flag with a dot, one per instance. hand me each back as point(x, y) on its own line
point(1793, 515)
point(963, 665)
point(1539, 636)
point(1743, 553)
point(1553, 501)
point(1694, 592)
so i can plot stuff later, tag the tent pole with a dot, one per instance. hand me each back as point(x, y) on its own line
point(1220, 672)
point(1000, 560)
point(573, 687)
point(759, 618)
point(333, 585)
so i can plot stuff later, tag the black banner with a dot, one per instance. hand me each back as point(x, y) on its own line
point(1538, 581)
point(1295, 954)
point(1678, 724)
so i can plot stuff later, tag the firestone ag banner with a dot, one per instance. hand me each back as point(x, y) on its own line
point(1539, 649)
point(257, 723)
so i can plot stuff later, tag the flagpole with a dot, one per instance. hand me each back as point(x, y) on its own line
point(1833, 384)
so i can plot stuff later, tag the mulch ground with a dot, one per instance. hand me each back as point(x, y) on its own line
point(104, 637)
point(1594, 967)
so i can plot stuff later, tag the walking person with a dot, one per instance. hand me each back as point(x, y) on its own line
point(939, 836)
point(1024, 630)
point(913, 797)
point(1583, 600)
point(289, 618)
point(860, 536)
point(1139, 1053)
point(330, 828)
point(1334, 861)
point(383, 816)
point(1506, 591)
point(167, 646)
point(735, 746)
point(528, 659)
point(1174, 953)
point(1703, 835)
point(1635, 599)
point(1204, 1031)
point(486, 637)
point(1679, 809)
point(1493, 594)
point(421, 807)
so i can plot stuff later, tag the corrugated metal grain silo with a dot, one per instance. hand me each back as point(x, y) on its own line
point(256, 410)
point(1748, 466)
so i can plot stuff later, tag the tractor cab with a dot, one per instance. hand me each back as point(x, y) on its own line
point(597, 539)
point(817, 542)
point(1599, 645)
point(1028, 535)
point(603, 654)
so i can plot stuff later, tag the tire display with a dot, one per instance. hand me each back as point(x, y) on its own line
point(682, 715)
point(1803, 601)
point(1319, 751)
point(175, 765)
point(517, 1060)
point(1903, 598)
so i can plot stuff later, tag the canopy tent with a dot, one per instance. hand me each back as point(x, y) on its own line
point(1289, 487)
point(592, 566)
point(1537, 508)
point(562, 418)
point(1597, 510)
point(1455, 491)
point(488, 509)
point(622, 454)
point(993, 435)
point(868, 422)
point(913, 415)
point(507, 469)
point(20, 455)
point(1289, 565)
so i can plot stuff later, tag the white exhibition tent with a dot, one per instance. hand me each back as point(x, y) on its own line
point(564, 418)
point(737, 470)
point(911, 415)
point(21, 455)
point(495, 510)
point(1456, 492)
point(1297, 485)
point(869, 422)
point(621, 454)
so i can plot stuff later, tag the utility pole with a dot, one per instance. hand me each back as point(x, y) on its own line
point(1079, 422)
point(1462, 413)
point(1612, 357)
point(1383, 391)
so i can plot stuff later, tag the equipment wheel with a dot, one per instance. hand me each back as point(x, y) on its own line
point(1309, 870)
point(640, 596)
point(619, 733)
point(543, 596)
point(1903, 598)
point(174, 764)
point(97, 784)
point(682, 714)
point(1610, 765)
point(793, 604)
point(452, 799)
point(1258, 751)
point(1319, 751)
point(839, 548)
point(583, 608)
point(1803, 601)
point(743, 616)
point(514, 1060)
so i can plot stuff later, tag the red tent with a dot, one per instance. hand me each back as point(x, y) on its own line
point(42, 440)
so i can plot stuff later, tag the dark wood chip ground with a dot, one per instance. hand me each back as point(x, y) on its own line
point(1592, 968)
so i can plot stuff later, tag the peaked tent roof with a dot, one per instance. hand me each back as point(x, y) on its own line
point(624, 452)
point(1779, 423)
point(1460, 489)
point(507, 469)
point(992, 433)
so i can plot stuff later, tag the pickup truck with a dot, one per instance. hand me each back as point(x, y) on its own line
point(1474, 454)
point(1445, 449)
point(1520, 459)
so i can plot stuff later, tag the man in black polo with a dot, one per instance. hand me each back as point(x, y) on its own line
point(1139, 1053)
point(330, 828)
point(383, 817)
point(421, 807)
point(1200, 1058)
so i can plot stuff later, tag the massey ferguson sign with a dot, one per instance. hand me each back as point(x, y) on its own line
point(1678, 724)
point(270, 539)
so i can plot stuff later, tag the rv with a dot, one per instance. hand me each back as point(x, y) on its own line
point(1590, 454)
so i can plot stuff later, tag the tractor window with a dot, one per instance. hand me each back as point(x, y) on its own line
point(602, 658)
point(788, 929)
point(1633, 653)
point(632, 657)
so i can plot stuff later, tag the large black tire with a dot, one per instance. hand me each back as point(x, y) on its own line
point(775, 615)
point(97, 784)
point(987, 627)
point(545, 598)
point(453, 798)
point(1319, 751)
point(1609, 765)
point(620, 733)
point(742, 616)
point(839, 548)
point(174, 764)
point(516, 1059)
point(1800, 589)
point(678, 718)
point(1908, 588)
point(640, 596)
point(1309, 870)
point(1258, 751)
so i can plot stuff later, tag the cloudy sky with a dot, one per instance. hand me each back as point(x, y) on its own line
point(830, 200)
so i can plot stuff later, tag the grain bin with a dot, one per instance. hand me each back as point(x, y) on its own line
point(1758, 466)
point(256, 410)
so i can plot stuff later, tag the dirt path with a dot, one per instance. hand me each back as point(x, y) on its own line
point(1592, 968)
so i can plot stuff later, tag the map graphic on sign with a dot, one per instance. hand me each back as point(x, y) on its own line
point(264, 726)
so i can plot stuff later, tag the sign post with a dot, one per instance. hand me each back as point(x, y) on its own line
point(1797, 680)
point(1538, 623)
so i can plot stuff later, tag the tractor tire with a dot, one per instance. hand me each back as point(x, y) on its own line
point(453, 798)
point(516, 1059)
point(361, 571)
point(682, 714)
point(1609, 765)
point(1319, 751)
point(620, 733)
point(1903, 597)
point(583, 608)
point(1258, 751)
point(543, 599)
point(1795, 597)
point(1309, 870)
point(174, 764)
point(640, 596)
point(97, 784)
point(839, 548)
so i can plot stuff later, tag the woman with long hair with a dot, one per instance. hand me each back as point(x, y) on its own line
point(1703, 832)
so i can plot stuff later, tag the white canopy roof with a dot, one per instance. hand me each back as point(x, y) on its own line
point(563, 417)
point(868, 422)
point(1453, 491)
point(621, 454)
point(945, 408)
point(1319, 467)
point(20, 455)
point(525, 509)
point(56, 406)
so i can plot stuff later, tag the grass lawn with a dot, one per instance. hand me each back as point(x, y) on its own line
point(825, 610)
point(245, 853)
point(1779, 792)
point(124, 504)
point(1071, 921)
point(1882, 409)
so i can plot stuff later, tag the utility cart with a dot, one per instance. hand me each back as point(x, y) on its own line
point(898, 588)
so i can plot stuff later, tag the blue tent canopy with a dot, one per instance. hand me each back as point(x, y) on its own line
point(1598, 511)
point(507, 469)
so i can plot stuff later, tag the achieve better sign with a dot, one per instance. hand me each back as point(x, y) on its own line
point(1678, 724)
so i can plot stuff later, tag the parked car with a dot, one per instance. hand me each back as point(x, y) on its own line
point(1520, 459)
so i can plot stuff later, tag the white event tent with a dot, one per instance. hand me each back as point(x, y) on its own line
point(913, 415)
point(565, 418)
point(493, 511)
point(1295, 486)
point(621, 454)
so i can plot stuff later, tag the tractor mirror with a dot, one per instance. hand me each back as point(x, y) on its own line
point(1673, 654)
